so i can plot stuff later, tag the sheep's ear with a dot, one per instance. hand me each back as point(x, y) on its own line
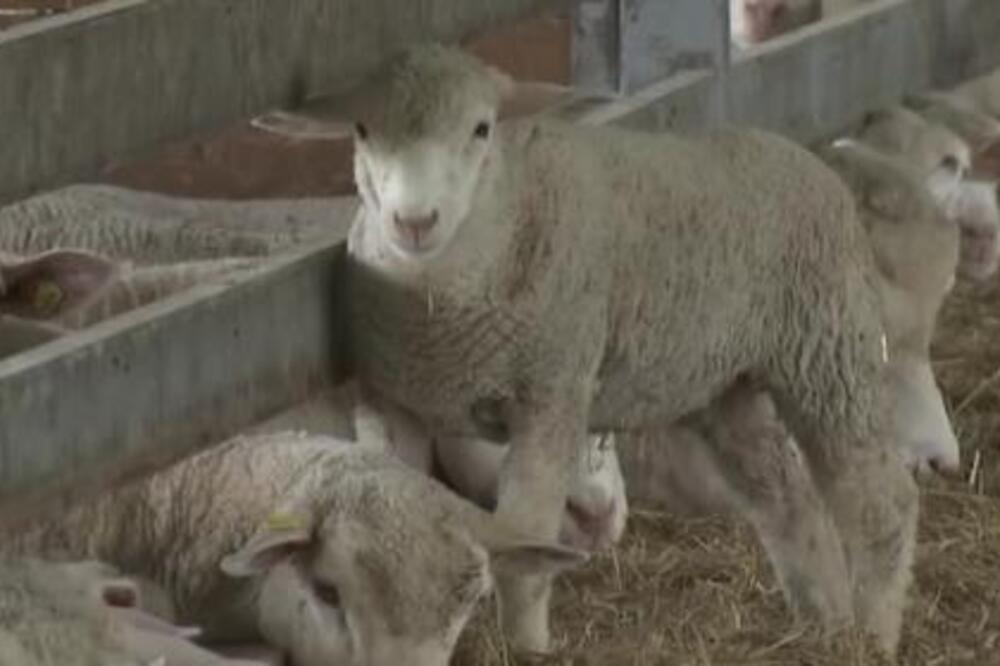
point(280, 536)
point(502, 80)
point(303, 126)
point(512, 552)
point(54, 283)
point(534, 558)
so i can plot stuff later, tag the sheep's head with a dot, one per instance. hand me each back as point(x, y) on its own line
point(916, 249)
point(941, 156)
point(754, 21)
point(383, 567)
point(424, 127)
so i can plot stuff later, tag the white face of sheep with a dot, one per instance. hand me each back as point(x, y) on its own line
point(424, 132)
point(974, 207)
point(389, 575)
point(596, 506)
point(755, 21)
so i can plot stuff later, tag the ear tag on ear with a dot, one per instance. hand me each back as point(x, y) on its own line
point(284, 522)
point(47, 297)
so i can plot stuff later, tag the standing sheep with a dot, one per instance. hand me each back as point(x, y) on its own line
point(944, 159)
point(335, 553)
point(501, 277)
point(87, 614)
point(916, 251)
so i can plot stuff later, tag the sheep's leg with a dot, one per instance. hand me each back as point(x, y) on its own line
point(533, 487)
point(753, 458)
point(862, 479)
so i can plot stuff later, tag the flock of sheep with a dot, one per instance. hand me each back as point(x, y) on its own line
point(527, 298)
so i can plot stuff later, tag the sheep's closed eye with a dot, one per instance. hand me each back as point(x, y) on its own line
point(361, 130)
point(482, 130)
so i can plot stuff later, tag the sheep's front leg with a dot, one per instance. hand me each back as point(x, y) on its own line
point(533, 486)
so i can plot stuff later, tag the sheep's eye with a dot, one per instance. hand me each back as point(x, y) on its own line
point(327, 593)
point(361, 130)
point(482, 130)
point(950, 162)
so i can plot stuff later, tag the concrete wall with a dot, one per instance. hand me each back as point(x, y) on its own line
point(110, 82)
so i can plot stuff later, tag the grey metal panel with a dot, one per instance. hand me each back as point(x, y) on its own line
point(113, 80)
point(596, 55)
point(139, 391)
point(660, 38)
point(816, 81)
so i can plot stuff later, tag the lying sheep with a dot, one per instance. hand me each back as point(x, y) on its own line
point(74, 289)
point(85, 613)
point(333, 553)
point(154, 228)
point(596, 507)
point(498, 276)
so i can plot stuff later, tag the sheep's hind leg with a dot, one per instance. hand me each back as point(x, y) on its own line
point(757, 463)
point(861, 476)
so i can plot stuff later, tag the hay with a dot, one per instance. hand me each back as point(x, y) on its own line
point(700, 592)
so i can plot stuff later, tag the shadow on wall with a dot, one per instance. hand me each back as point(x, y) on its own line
point(241, 162)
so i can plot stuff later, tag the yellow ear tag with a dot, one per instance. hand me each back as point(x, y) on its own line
point(48, 296)
point(284, 522)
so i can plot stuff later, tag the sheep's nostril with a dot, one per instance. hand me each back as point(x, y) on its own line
point(416, 226)
point(591, 519)
point(943, 467)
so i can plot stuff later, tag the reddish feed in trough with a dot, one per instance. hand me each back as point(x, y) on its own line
point(242, 162)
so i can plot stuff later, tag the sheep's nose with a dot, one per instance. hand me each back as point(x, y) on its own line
point(592, 519)
point(944, 466)
point(416, 225)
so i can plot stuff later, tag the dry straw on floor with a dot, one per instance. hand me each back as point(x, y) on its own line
point(700, 592)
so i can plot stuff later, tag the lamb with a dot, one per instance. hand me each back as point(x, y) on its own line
point(86, 613)
point(490, 293)
point(916, 251)
point(332, 552)
point(152, 228)
point(596, 508)
point(944, 159)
